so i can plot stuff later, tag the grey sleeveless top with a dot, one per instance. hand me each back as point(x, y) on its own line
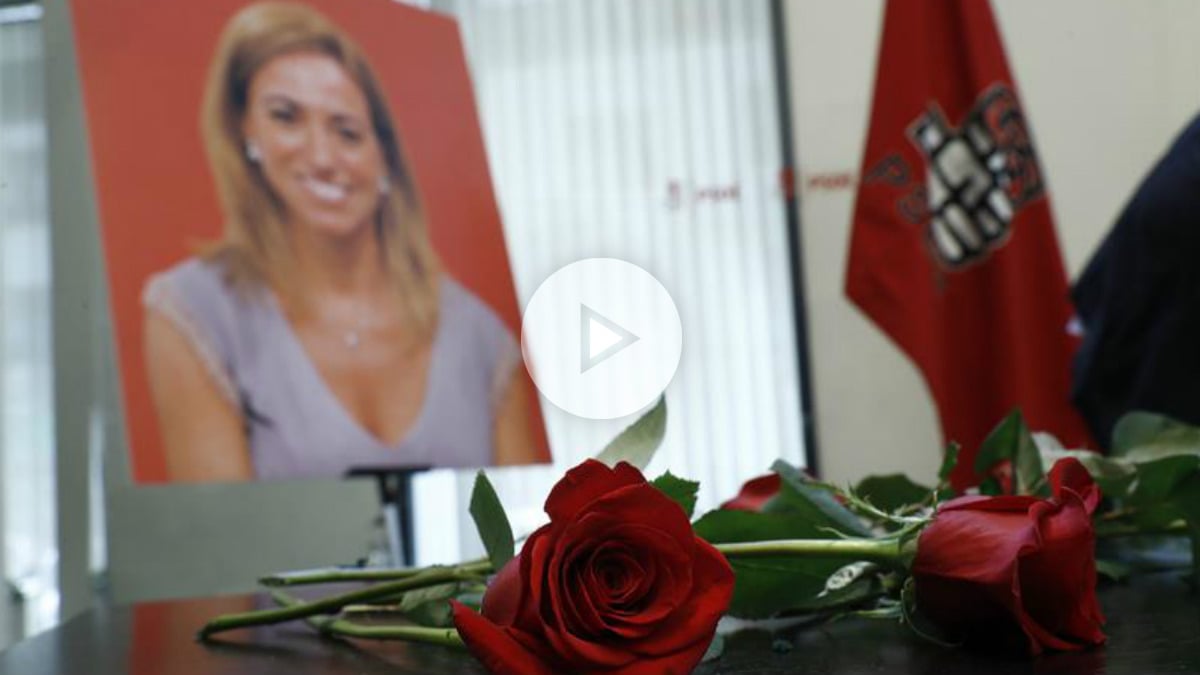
point(295, 426)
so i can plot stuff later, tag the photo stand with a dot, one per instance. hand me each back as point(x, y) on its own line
point(396, 499)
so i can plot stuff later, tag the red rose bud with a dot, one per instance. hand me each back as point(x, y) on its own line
point(616, 583)
point(755, 493)
point(1015, 572)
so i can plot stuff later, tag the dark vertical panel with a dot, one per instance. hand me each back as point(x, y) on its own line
point(795, 241)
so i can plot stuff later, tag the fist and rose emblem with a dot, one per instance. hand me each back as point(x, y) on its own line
point(978, 176)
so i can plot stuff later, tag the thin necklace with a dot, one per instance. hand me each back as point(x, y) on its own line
point(352, 338)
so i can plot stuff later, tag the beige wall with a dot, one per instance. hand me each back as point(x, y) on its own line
point(1106, 84)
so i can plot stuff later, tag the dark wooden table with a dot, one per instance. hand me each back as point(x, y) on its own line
point(1154, 628)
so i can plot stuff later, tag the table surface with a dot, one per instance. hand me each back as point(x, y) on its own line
point(1153, 627)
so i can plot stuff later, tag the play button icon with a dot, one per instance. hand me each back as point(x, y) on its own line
point(601, 338)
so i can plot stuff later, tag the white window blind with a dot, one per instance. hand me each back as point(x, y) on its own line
point(646, 130)
point(27, 528)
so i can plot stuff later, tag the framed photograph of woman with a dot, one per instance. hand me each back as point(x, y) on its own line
point(306, 261)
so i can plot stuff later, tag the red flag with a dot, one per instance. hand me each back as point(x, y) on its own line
point(953, 252)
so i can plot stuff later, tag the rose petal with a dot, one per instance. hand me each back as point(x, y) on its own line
point(493, 647)
point(1014, 503)
point(616, 572)
point(1058, 582)
point(583, 614)
point(1069, 474)
point(1011, 580)
point(585, 483)
point(633, 504)
point(965, 569)
point(712, 590)
point(609, 575)
point(628, 617)
point(622, 515)
point(670, 558)
point(504, 596)
point(586, 655)
point(1040, 639)
point(624, 508)
point(636, 614)
point(644, 576)
point(561, 619)
point(964, 544)
point(968, 610)
point(755, 493)
point(571, 638)
point(681, 662)
point(618, 569)
point(671, 568)
point(535, 556)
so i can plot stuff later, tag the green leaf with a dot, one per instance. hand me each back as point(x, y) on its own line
point(1185, 499)
point(1011, 440)
point(715, 648)
point(491, 522)
point(723, 527)
point(414, 599)
point(1112, 570)
point(434, 614)
point(1152, 453)
point(638, 442)
point(1158, 479)
point(1168, 489)
point(430, 606)
point(892, 492)
point(766, 586)
point(679, 490)
point(1165, 456)
point(812, 502)
point(990, 487)
point(1155, 434)
point(949, 461)
point(859, 589)
point(888, 612)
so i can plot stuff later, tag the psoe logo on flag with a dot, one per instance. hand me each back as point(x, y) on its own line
point(978, 175)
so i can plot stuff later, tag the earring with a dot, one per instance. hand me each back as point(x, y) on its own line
point(252, 152)
point(385, 185)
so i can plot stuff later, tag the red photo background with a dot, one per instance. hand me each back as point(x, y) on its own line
point(143, 64)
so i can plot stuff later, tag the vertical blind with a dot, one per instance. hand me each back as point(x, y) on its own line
point(646, 130)
point(27, 528)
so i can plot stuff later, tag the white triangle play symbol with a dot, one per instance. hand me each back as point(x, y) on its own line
point(600, 338)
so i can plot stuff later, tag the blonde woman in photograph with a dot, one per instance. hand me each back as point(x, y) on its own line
point(320, 333)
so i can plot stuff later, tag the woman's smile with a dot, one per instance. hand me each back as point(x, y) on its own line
point(328, 192)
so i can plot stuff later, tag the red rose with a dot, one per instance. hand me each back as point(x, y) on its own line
point(1015, 572)
point(755, 493)
point(616, 583)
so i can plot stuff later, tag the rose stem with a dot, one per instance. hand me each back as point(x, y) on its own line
point(338, 575)
point(326, 605)
point(328, 625)
point(875, 550)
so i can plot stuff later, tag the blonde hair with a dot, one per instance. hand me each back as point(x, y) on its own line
point(255, 247)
